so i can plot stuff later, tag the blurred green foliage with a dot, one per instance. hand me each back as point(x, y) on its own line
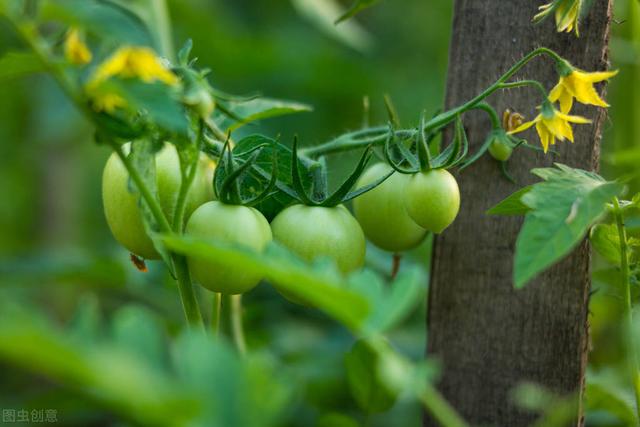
point(58, 258)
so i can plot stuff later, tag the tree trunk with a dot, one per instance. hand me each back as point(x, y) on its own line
point(489, 336)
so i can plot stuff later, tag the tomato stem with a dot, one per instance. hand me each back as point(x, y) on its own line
point(440, 409)
point(634, 367)
point(378, 135)
point(187, 296)
point(216, 310)
point(145, 193)
point(185, 185)
point(185, 286)
point(237, 329)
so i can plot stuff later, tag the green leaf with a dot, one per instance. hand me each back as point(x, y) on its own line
point(103, 18)
point(231, 389)
point(601, 396)
point(334, 419)
point(321, 287)
point(563, 208)
point(101, 372)
point(365, 382)
point(512, 205)
point(606, 241)
point(322, 14)
point(154, 15)
point(86, 322)
point(393, 303)
point(137, 330)
point(157, 100)
point(258, 109)
point(18, 64)
point(357, 7)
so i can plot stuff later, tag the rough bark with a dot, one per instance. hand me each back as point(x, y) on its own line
point(489, 336)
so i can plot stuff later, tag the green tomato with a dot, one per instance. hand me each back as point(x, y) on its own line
point(233, 224)
point(432, 199)
point(121, 205)
point(500, 150)
point(314, 232)
point(382, 214)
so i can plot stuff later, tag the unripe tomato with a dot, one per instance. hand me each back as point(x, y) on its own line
point(228, 223)
point(500, 150)
point(121, 206)
point(382, 214)
point(432, 199)
point(313, 232)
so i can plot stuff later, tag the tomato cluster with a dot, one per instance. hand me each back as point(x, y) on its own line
point(395, 211)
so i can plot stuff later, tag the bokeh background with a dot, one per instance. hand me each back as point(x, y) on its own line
point(55, 248)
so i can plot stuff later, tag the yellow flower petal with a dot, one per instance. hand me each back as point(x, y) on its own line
point(561, 93)
point(573, 119)
point(107, 102)
point(597, 76)
point(580, 85)
point(75, 50)
point(544, 136)
point(555, 127)
point(524, 126)
point(134, 62)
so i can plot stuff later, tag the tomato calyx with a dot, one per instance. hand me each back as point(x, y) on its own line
point(423, 160)
point(318, 170)
point(228, 189)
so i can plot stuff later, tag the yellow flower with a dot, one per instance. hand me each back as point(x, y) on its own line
point(551, 124)
point(75, 50)
point(579, 85)
point(107, 102)
point(134, 62)
point(567, 13)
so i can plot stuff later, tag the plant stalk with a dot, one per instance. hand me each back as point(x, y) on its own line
point(185, 286)
point(380, 133)
point(216, 310)
point(440, 409)
point(237, 330)
point(634, 367)
point(185, 185)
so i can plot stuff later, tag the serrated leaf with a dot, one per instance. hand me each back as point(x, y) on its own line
point(512, 205)
point(322, 288)
point(258, 109)
point(563, 208)
point(18, 64)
